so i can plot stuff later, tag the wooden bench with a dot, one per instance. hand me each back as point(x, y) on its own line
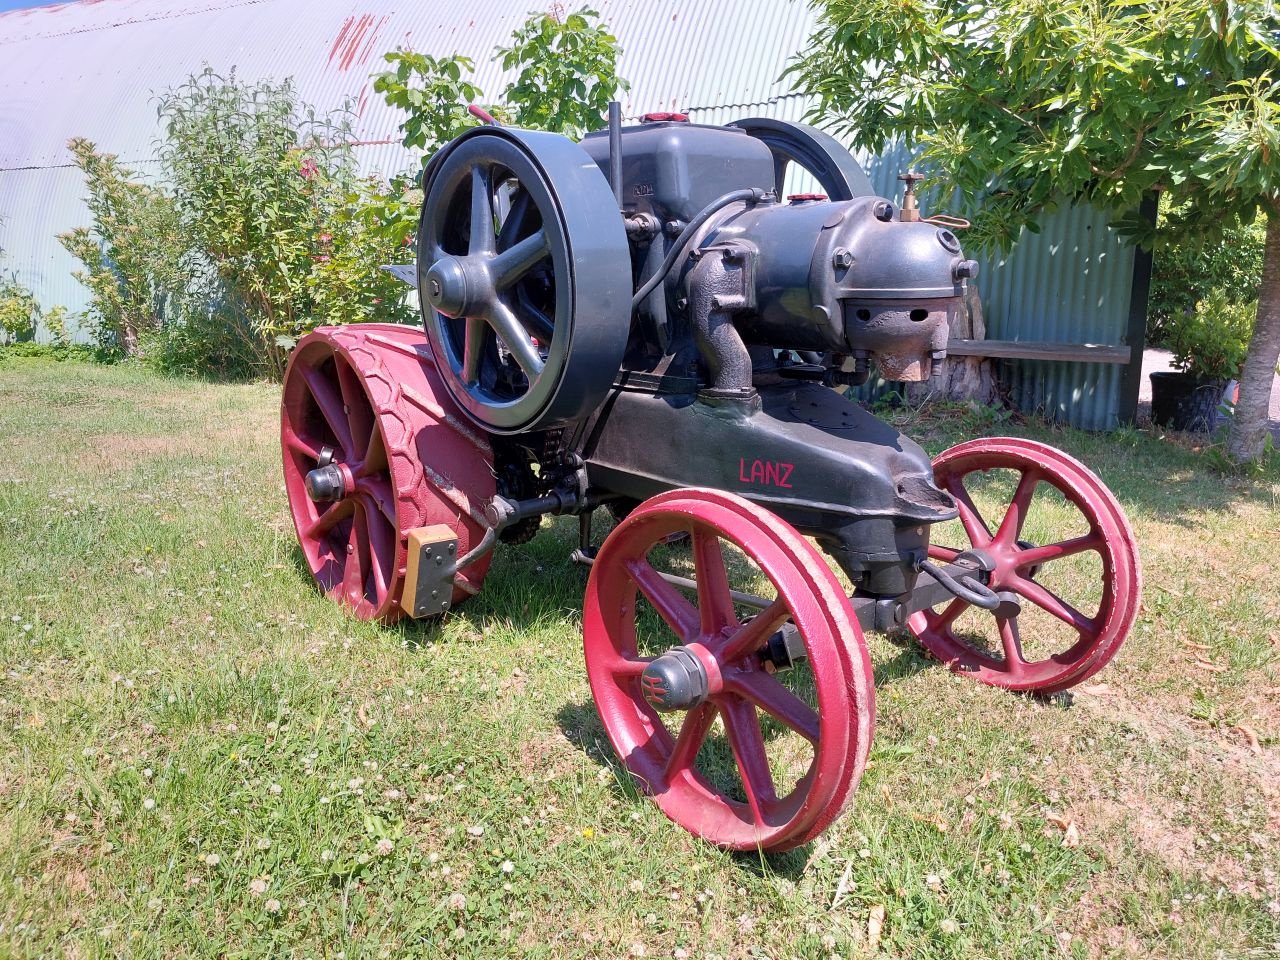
point(1034, 350)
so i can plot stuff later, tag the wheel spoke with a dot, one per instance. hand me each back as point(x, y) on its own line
point(514, 221)
point(773, 698)
point(378, 489)
point(482, 235)
point(742, 725)
point(977, 529)
point(753, 634)
point(943, 620)
point(329, 401)
point(473, 349)
point(627, 667)
point(678, 612)
point(1036, 556)
point(945, 554)
point(1051, 603)
point(516, 340)
point(359, 416)
point(694, 730)
point(382, 544)
point(510, 265)
point(1011, 640)
point(375, 453)
point(298, 445)
point(1016, 515)
point(535, 321)
point(715, 606)
point(322, 524)
point(353, 571)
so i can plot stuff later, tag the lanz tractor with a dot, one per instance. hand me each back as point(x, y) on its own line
point(641, 322)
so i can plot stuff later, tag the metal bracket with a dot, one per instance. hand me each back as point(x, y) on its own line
point(433, 560)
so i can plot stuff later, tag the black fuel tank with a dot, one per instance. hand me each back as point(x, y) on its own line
point(673, 169)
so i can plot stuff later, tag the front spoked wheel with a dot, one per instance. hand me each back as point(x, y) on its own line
point(1063, 547)
point(750, 727)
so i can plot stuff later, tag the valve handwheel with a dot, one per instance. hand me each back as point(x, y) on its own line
point(524, 281)
point(373, 448)
point(708, 664)
point(1090, 538)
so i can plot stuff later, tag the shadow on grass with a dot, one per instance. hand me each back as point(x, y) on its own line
point(581, 725)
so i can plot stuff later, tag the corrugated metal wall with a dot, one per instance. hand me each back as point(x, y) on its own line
point(93, 69)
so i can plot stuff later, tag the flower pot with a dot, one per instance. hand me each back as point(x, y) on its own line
point(1185, 401)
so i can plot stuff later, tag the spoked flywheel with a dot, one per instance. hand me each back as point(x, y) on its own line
point(524, 278)
point(374, 448)
point(749, 726)
point(818, 154)
point(1063, 548)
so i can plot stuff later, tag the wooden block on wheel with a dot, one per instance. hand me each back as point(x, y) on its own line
point(428, 581)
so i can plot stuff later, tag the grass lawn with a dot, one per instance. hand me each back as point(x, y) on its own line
point(201, 756)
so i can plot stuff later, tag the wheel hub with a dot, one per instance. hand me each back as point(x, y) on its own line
point(328, 484)
point(677, 680)
point(459, 286)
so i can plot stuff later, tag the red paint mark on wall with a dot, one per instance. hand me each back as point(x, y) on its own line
point(355, 41)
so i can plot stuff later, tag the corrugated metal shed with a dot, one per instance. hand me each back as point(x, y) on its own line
point(93, 69)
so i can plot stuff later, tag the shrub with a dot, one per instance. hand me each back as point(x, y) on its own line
point(266, 194)
point(1212, 342)
point(257, 236)
point(18, 312)
point(1186, 268)
point(132, 255)
point(21, 317)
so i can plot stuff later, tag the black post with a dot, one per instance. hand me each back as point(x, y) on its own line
point(615, 150)
point(1131, 382)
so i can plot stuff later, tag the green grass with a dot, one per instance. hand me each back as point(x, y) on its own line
point(185, 722)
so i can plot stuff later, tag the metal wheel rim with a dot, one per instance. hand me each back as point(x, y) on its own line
point(809, 593)
point(1110, 536)
point(581, 334)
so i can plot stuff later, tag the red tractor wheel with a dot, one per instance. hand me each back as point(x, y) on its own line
point(366, 402)
point(1070, 559)
point(666, 672)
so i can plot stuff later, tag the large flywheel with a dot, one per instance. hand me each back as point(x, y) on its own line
point(818, 154)
point(524, 277)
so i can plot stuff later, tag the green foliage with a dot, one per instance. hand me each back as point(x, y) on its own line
point(1212, 341)
point(434, 94)
point(567, 76)
point(18, 311)
point(568, 72)
point(258, 236)
point(1020, 104)
point(263, 188)
point(131, 255)
point(1184, 272)
point(21, 317)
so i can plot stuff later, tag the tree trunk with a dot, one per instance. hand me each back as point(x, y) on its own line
point(1247, 436)
point(962, 378)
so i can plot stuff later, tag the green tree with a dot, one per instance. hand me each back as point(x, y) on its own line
point(568, 72)
point(1023, 104)
point(131, 256)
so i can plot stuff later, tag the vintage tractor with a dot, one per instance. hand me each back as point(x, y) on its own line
point(640, 322)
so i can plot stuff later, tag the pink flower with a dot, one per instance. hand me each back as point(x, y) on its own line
point(308, 169)
point(326, 237)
